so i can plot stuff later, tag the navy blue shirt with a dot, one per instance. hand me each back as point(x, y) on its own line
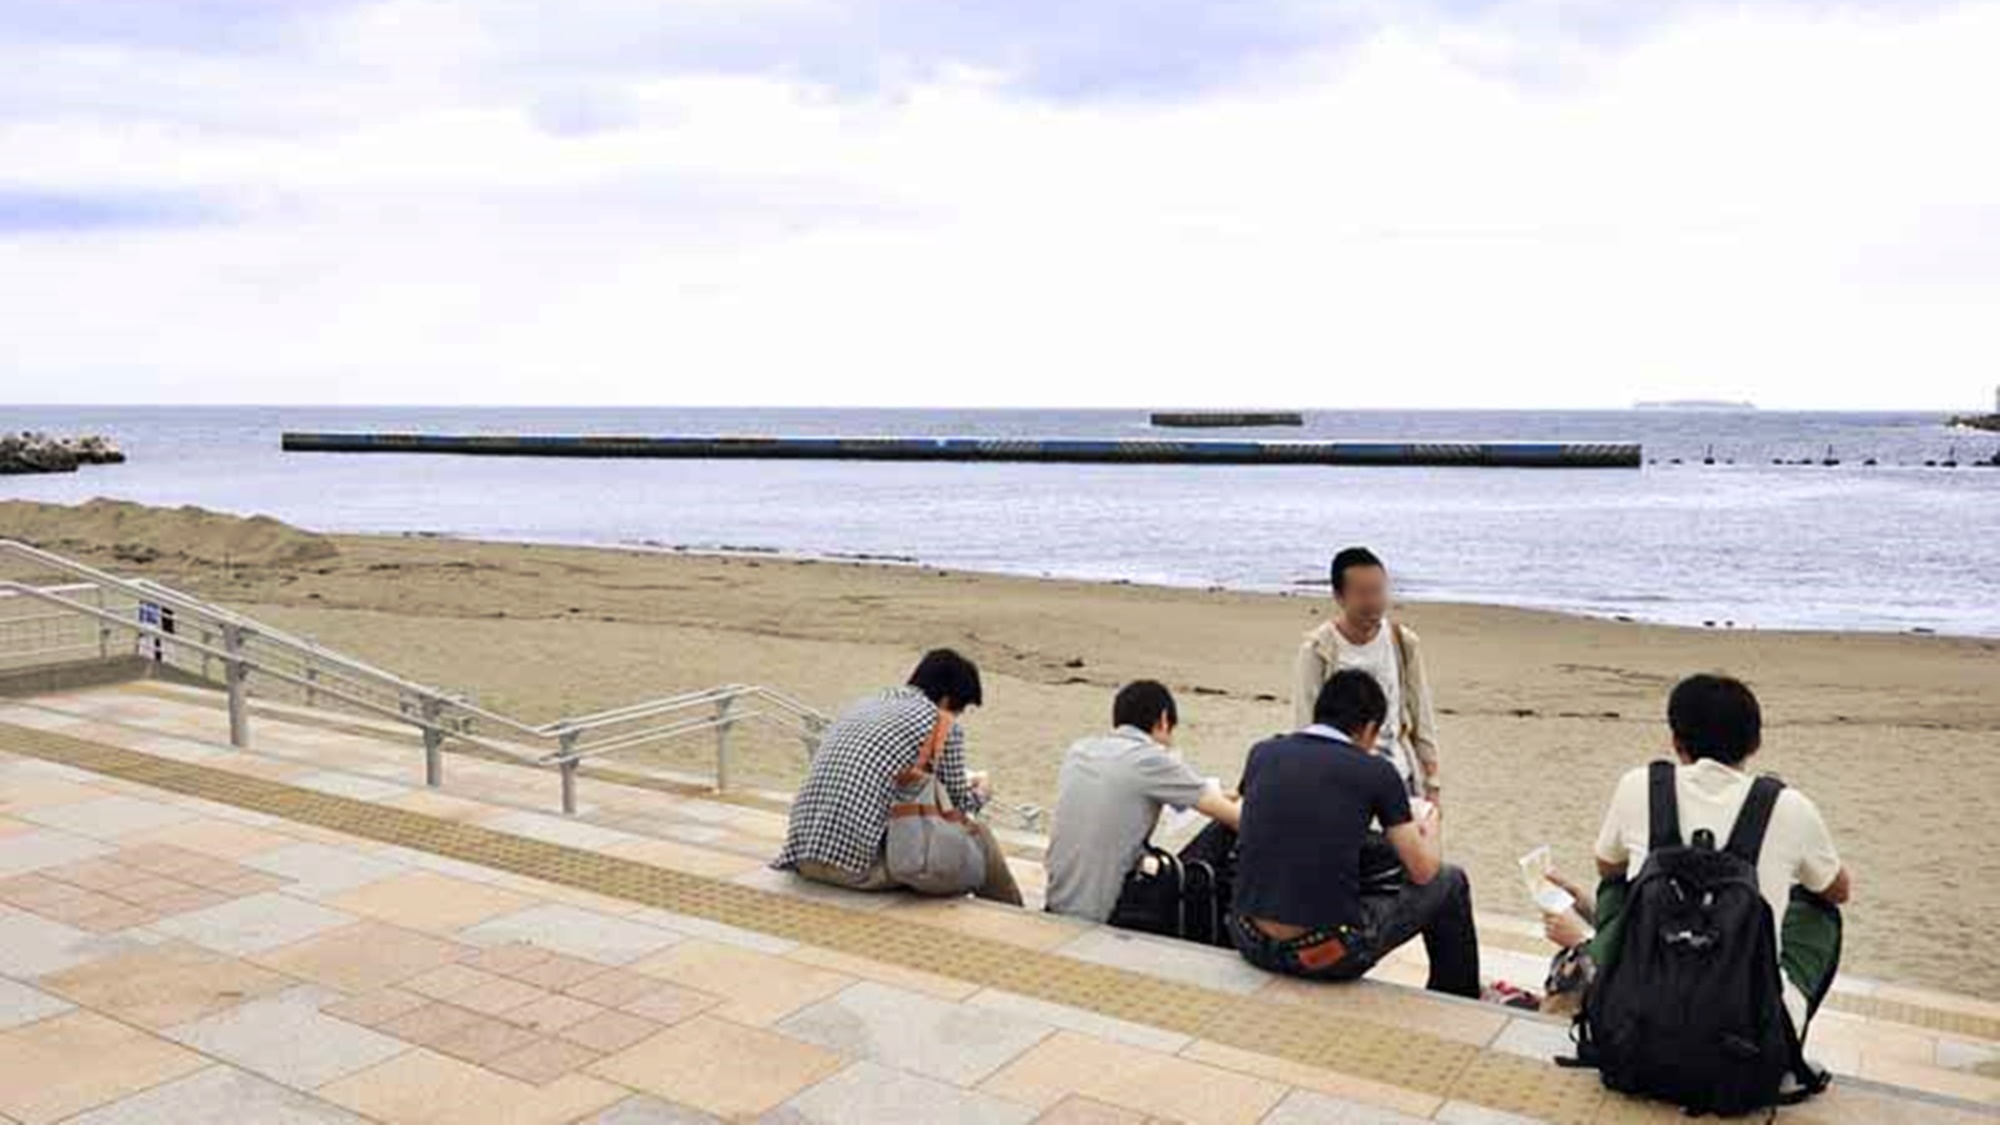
point(1308, 800)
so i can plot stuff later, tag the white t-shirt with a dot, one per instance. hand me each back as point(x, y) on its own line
point(1378, 659)
point(1797, 847)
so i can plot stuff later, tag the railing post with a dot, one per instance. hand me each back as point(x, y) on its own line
point(103, 627)
point(568, 768)
point(236, 674)
point(207, 641)
point(312, 677)
point(433, 743)
point(722, 743)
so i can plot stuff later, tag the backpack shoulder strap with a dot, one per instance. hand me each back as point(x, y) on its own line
point(1746, 840)
point(1663, 808)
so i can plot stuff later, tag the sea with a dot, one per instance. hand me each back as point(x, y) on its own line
point(1742, 543)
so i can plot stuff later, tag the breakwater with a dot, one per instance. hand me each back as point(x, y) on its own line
point(1501, 454)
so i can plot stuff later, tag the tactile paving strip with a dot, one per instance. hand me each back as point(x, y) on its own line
point(1402, 1057)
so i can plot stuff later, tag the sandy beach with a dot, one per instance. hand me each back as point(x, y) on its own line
point(1894, 736)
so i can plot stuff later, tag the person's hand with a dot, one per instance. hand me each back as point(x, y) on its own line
point(1567, 929)
point(1426, 817)
point(1561, 880)
point(981, 784)
point(1432, 791)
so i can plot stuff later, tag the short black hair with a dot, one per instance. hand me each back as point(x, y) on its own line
point(1347, 560)
point(1715, 717)
point(1350, 700)
point(945, 675)
point(1142, 704)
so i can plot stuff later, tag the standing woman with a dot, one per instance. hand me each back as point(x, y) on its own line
point(1361, 635)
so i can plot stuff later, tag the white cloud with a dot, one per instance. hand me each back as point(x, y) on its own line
point(1789, 205)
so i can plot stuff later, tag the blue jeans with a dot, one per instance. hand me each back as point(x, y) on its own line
point(1439, 911)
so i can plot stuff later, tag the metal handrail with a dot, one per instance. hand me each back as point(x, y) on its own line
point(438, 714)
point(320, 672)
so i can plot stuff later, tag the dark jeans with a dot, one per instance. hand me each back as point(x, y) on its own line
point(1439, 911)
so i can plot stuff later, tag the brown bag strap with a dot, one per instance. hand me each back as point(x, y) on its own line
point(933, 746)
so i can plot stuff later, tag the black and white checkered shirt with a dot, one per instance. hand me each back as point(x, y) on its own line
point(842, 811)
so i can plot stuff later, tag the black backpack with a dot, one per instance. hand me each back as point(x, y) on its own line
point(1184, 896)
point(1690, 1007)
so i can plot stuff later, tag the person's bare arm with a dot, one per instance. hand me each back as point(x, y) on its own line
point(1220, 807)
point(1609, 870)
point(1417, 844)
point(1841, 889)
point(1308, 673)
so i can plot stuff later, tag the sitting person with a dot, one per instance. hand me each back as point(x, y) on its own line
point(840, 817)
point(1108, 799)
point(1308, 801)
point(1717, 727)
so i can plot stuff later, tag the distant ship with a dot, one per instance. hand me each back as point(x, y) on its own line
point(1694, 404)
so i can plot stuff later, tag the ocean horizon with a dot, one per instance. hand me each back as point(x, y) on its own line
point(1742, 543)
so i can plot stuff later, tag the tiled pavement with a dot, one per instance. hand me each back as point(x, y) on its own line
point(169, 958)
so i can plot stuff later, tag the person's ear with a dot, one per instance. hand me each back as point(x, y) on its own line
point(1163, 731)
point(1682, 753)
point(1370, 735)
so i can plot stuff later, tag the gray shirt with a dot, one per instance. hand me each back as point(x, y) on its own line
point(1108, 798)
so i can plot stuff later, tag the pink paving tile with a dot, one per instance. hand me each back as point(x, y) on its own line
point(483, 1039)
point(543, 1061)
point(373, 1009)
point(609, 1032)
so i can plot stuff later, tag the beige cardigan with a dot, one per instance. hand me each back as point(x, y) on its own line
point(1417, 726)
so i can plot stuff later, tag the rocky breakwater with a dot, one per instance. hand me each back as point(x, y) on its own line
point(28, 452)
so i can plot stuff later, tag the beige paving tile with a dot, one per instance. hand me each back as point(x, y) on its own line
point(1391, 1006)
point(1015, 927)
point(364, 956)
point(1080, 1019)
point(425, 900)
point(1379, 1094)
point(68, 1063)
point(671, 1004)
point(163, 985)
point(1088, 1111)
point(915, 980)
point(724, 1068)
point(686, 857)
point(756, 988)
point(1163, 1085)
point(1935, 1079)
point(426, 1088)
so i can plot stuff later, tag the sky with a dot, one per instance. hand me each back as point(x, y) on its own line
point(1299, 203)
